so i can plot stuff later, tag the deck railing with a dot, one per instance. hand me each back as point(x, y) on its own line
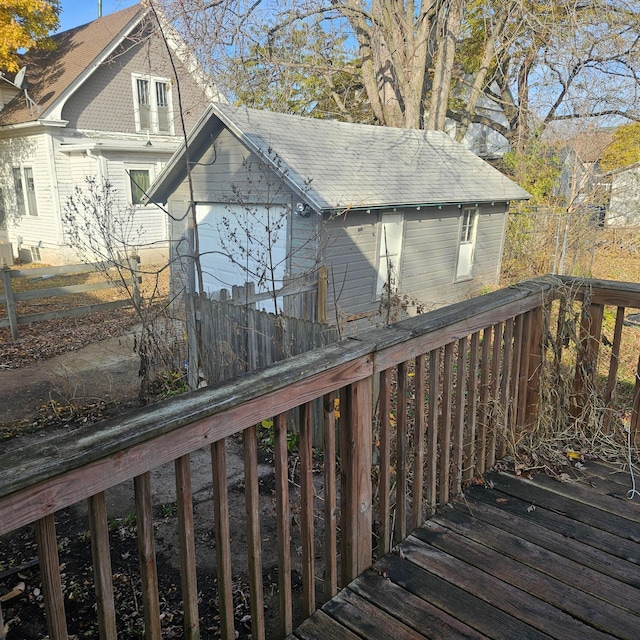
point(411, 413)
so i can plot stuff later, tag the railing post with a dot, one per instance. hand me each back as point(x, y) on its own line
point(355, 461)
point(10, 302)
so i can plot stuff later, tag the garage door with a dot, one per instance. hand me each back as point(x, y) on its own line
point(240, 244)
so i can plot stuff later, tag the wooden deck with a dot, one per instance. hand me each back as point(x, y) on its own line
point(513, 559)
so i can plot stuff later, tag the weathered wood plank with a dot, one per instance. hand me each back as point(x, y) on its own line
point(445, 425)
point(474, 611)
point(432, 430)
point(365, 619)
point(121, 448)
point(283, 526)
point(604, 512)
point(147, 557)
point(400, 532)
point(614, 361)
point(600, 550)
point(222, 534)
point(553, 564)
point(102, 574)
point(330, 494)
point(254, 548)
point(562, 596)
point(410, 609)
point(186, 538)
point(418, 439)
point(472, 410)
point(50, 574)
point(458, 420)
point(323, 627)
point(512, 600)
point(385, 461)
point(306, 511)
point(484, 408)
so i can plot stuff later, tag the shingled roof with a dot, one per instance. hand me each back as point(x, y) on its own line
point(337, 165)
point(53, 73)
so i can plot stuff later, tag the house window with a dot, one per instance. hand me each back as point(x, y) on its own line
point(30, 187)
point(19, 192)
point(152, 104)
point(466, 248)
point(389, 250)
point(139, 181)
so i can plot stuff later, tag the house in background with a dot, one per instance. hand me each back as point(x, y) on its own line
point(583, 185)
point(278, 195)
point(103, 103)
point(624, 202)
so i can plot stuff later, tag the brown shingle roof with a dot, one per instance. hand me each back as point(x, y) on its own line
point(51, 72)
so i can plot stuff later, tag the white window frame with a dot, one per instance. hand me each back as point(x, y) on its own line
point(390, 242)
point(22, 193)
point(137, 167)
point(467, 235)
point(155, 119)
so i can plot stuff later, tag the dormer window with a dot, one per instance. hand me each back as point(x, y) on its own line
point(152, 104)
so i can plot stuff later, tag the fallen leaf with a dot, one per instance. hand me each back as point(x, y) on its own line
point(531, 507)
point(502, 500)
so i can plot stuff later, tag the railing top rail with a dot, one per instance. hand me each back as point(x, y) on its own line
point(78, 464)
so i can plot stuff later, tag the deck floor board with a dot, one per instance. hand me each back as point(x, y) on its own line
point(514, 559)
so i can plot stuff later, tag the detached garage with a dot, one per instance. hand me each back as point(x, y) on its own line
point(385, 210)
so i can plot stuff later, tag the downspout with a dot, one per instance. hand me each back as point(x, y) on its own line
point(99, 164)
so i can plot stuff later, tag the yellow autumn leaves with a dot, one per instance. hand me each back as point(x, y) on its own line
point(23, 24)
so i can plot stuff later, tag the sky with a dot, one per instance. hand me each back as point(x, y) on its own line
point(77, 12)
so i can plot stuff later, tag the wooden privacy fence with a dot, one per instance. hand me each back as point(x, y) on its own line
point(10, 297)
point(458, 387)
point(237, 338)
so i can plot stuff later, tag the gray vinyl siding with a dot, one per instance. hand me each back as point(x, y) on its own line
point(228, 172)
point(349, 245)
point(303, 243)
point(105, 102)
point(431, 249)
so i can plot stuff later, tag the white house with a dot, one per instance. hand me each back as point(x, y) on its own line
point(103, 103)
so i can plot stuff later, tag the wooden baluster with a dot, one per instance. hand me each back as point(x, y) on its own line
point(385, 462)
point(2, 635)
point(445, 425)
point(306, 508)
point(102, 573)
point(418, 438)
point(147, 556)
point(534, 361)
point(523, 371)
point(495, 387)
point(223, 544)
point(505, 385)
point(355, 453)
point(458, 420)
point(514, 386)
point(283, 526)
point(330, 505)
point(186, 537)
point(401, 455)
point(50, 574)
point(432, 429)
point(587, 360)
point(254, 549)
point(472, 405)
point(612, 379)
point(483, 423)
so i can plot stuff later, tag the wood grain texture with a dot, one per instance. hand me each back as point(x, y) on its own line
point(147, 557)
point(50, 573)
point(101, 557)
point(385, 461)
point(307, 533)
point(223, 544)
point(400, 532)
point(417, 509)
point(330, 495)
point(254, 548)
point(283, 525)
